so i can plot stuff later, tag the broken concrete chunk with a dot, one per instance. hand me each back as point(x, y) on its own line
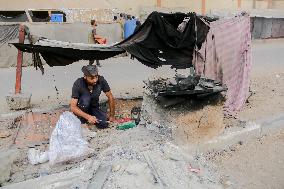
point(18, 101)
point(116, 168)
point(4, 134)
point(7, 157)
point(36, 156)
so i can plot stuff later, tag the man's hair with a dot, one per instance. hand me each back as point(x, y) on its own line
point(93, 22)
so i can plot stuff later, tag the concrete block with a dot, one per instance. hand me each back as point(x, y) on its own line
point(7, 158)
point(18, 101)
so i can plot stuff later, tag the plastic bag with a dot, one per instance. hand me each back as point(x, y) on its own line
point(66, 142)
point(36, 156)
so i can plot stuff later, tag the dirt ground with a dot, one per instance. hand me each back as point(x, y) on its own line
point(253, 164)
point(267, 94)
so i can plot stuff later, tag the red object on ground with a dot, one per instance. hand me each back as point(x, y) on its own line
point(123, 120)
point(19, 61)
point(194, 170)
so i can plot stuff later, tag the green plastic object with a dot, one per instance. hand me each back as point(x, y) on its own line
point(126, 125)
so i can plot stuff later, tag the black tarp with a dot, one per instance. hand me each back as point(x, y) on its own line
point(62, 56)
point(157, 42)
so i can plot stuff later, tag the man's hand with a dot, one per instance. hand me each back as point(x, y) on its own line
point(92, 119)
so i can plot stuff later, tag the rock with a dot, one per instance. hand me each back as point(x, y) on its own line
point(136, 168)
point(18, 101)
point(4, 134)
point(7, 158)
point(116, 168)
point(227, 184)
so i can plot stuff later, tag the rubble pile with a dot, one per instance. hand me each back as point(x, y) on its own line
point(172, 91)
point(196, 111)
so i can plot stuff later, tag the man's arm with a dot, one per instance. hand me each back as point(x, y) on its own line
point(77, 111)
point(111, 105)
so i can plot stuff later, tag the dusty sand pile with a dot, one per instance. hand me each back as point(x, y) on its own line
point(190, 122)
point(200, 125)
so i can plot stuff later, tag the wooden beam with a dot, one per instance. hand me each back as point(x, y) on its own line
point(18, 83)
point(203, 7)
point(159, 3)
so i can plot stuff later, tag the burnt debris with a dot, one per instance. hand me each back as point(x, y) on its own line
point(172, 91)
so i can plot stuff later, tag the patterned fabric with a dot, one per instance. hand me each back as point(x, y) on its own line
point(226, 57)
point(8, 33)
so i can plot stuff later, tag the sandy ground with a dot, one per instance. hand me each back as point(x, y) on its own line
point(267, 81)
point(255, 164)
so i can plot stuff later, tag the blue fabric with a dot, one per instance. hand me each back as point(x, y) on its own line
point(129, 27)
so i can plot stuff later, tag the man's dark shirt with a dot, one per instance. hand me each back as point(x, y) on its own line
point(80, 87)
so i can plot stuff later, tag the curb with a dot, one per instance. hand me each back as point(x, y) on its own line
point(252, 130)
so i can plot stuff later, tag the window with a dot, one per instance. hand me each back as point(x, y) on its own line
point(13, 16)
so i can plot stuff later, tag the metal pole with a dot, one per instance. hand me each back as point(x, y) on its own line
point(19, 61)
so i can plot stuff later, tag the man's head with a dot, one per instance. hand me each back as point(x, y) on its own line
point(91, 74)
point(93, 23)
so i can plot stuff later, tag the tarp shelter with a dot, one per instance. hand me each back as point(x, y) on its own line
point(225, 53)
point(157, 42)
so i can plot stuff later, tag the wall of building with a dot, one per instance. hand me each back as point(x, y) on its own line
point(53, 4)
point(135, 7)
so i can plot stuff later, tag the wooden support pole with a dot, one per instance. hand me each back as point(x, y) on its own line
point(203, 7)
point(159, 3)
point(19, 61)
point(239, 4)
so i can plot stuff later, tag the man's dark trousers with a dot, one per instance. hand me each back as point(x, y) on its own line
point(84, 103)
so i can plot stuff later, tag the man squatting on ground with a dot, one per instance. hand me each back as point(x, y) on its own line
point(85, 98)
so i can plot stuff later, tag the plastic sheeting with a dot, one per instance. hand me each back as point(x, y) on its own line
point(59, 53)
point(66, 142)
point(158, 42)
point(8, 33)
